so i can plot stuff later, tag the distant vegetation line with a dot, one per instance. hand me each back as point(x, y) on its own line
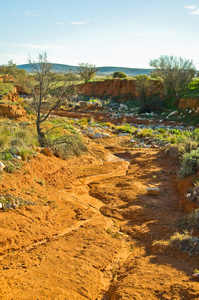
point(103, 71)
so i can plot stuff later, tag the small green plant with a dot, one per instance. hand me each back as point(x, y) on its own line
point(10, 168)
point(67, 146)
point(189, 164)
point(173, 140)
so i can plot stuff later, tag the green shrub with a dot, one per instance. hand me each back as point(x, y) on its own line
point(5, 88)
point(124, 128)
point(173, 140)
point(119, 74)
point(189, 164)
point(145, 132)
point(67, 146)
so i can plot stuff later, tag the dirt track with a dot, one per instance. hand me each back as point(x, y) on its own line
point(90, 234)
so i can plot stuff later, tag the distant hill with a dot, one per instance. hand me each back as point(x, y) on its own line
point(103, 71)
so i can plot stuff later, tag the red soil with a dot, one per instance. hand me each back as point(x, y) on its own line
point(90, 233)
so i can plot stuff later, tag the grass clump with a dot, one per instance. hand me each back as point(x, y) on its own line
point(125, 128)
point(67, 146)
point(189, 164)
point(186, 242)
point(181, 241)
point(190, 221)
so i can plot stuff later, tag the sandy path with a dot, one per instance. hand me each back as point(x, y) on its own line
point(97, 242)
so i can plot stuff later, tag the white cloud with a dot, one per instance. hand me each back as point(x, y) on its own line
point(142, 34)
point(195, 12)
point(151, 33)
point(193, 9)
point(34, 46)
point(78, 23)
point(34, 13)
point(190, 7)
point(60, 23)
point(85, 22)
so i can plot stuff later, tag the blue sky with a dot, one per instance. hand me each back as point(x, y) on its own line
point(125, 33)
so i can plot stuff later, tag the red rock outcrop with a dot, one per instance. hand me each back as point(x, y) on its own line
point(12, 96)
point(192, 103)
point(124, 89)
point(12, 111)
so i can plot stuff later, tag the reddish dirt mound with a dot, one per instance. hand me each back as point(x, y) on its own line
point(89, 232)
point(12, 111)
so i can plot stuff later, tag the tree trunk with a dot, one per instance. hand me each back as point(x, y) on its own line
point(41, 135)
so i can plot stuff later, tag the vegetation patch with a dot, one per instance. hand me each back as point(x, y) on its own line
point(189, 164)
point(9, 201)
point(5, 88)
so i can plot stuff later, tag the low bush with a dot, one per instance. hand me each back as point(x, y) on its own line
point(5, 88)
point(152, 105)
point(67, 146)
point(189, 164)
point(119, 74)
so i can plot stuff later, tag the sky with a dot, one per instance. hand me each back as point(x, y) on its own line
point(121, 33)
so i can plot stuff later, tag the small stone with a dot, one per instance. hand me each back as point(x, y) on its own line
point(90, 130)
point(122, 134)
point(2, 166)
point(15, 150)
point(153, 191)
point(173, 113)
point(106, 135)
point(48, 151)
point(97, 136)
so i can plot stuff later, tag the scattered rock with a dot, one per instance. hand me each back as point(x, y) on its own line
point(2, 166)
point(9, 201)
point(48, 151)
point(97, 136)
point(90, 130)
point(123, 107)
point(123, 134)
point(15, 150)
point(153, 191)
point(173, 113)
point(132, 141)
point(106, 135)
point(196, 275)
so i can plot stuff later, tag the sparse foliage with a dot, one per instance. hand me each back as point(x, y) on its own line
point(49, 90)
point(175, 72)
point(10, 73)
point(144, 86)
point(86, 71)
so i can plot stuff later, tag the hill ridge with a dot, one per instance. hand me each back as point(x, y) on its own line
point(103, 71)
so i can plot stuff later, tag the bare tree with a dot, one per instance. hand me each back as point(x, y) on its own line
point(49, 90)
point(175, 72)
point(86, 71)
